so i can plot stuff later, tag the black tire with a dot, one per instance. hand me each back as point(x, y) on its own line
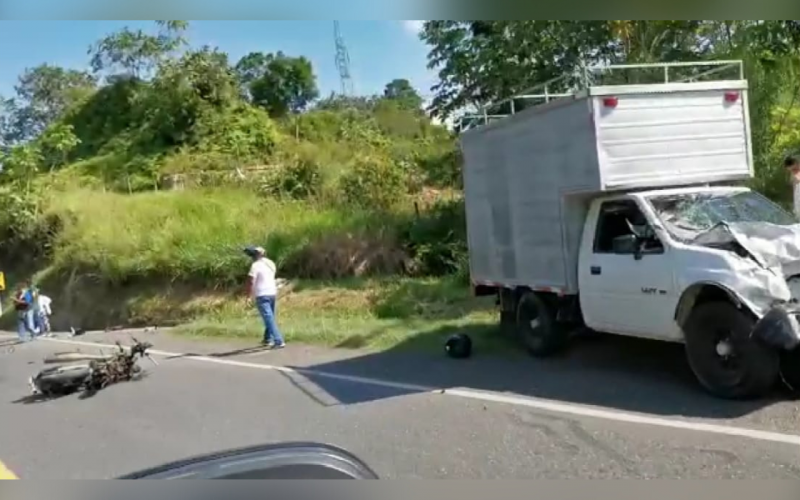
point(750, 369)
point(58, 381)
point(536, 327)
point(60, 375)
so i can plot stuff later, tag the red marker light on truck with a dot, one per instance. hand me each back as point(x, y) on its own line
point(610, 102)
point(731, 97)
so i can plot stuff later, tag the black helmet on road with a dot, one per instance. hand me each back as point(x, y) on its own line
point(458, 346)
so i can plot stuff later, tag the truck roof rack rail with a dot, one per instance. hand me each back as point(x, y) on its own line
point(571, 85)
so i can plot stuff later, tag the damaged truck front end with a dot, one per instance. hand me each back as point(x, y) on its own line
point(760, 267)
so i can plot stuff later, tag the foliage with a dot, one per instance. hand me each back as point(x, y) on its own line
point(278, 83)
point(400, 91)
point(43, 94)
point(301, 179)
point(136, 53)
point(21, 164)
point(57, 142)
point(375, 184)
point(439, 241)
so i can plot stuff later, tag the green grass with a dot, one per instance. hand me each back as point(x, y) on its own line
point(415, 314)
point(188, 235)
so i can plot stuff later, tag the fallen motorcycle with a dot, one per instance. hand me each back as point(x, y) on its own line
point(99, 372)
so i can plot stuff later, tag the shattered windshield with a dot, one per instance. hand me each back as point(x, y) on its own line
point(687, 215)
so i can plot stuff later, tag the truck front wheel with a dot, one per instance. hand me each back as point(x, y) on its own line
point(726, 360)
point(537, 328)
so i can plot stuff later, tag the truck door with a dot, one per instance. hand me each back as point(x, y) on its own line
point(626, 283)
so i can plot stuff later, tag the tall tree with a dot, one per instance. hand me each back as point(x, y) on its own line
point(137, 53)
point(187, 90)
point(279, 83)
point(251, 67)
point(482, 61)
point(43, 94)
point(400, 91)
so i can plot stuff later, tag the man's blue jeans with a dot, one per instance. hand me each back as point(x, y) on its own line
point(266, 308)
point(26, 325)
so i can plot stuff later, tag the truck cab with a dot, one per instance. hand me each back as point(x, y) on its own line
point(650, 260)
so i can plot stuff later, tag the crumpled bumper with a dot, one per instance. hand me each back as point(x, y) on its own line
point(780, 326)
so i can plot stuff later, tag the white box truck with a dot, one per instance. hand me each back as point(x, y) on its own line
point(614, 208)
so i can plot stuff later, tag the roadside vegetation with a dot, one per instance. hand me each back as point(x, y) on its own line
point(128, 190)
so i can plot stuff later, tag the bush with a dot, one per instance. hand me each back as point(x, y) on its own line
point(299, 180)
point(443, 169)
point(24, 231)
point(437, 240)
point(374, 183)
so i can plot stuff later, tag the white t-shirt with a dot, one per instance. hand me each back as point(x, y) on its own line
point(43, 304)
point(263, 274)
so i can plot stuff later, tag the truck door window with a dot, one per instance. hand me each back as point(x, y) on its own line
point(615, 219)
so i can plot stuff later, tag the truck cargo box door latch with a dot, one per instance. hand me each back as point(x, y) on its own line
point(596, 270)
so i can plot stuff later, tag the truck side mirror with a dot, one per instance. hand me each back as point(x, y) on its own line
point(626, 245)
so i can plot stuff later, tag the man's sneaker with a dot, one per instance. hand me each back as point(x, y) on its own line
point(279, 346)
point(268, 343)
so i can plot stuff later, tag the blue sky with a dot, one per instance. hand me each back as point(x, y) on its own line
point(379, 50)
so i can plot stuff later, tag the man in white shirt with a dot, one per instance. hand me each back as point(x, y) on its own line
point(263, 289)
point(43, 313)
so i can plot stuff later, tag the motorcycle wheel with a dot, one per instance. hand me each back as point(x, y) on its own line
point(62, 379)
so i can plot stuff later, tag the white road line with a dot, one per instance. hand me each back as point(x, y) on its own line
point(524, 401)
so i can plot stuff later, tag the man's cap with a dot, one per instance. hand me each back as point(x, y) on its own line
point(254, 250)
point(791, 161)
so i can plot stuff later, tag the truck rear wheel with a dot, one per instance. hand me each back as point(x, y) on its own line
point(537, 328)
point(726, 360)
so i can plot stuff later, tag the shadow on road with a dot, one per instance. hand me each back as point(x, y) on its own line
point(605, 370)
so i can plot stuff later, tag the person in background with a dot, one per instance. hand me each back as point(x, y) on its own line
point(24, 304)
point(43, 311)
point(792, 164)
point(263, 290)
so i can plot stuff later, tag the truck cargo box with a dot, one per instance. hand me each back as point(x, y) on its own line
point(528, 177)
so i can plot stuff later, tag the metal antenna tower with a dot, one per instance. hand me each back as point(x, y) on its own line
point(342, 61)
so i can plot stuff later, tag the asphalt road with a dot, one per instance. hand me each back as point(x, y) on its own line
point(612, 409)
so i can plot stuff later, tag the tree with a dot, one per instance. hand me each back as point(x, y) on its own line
point(6, 113)
point(483, 61)
point(187, 91)
point(278, 83)
point(251, 67)
point(136, 53)
point(22, 163)
point(43, 94)
point(57, 142)
point(401, 91)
